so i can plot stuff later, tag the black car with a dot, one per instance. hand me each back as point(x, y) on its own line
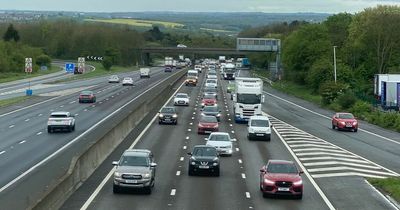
point(212, 111)
point(204, 159)
point(168, 115)
point(168, 69)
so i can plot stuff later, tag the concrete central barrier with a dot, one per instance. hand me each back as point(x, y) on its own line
point(103, 140)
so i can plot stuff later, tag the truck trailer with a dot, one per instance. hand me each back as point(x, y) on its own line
point(379, 78)
point(390, 95)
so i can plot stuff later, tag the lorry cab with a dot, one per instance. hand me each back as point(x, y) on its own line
point(144, 72)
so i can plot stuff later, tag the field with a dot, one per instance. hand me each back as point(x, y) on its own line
point(216, 30)
point(139, 23)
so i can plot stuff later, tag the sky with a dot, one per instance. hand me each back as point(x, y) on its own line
point(274, 6)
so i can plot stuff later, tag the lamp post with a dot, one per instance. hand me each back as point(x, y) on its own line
point(334, 62)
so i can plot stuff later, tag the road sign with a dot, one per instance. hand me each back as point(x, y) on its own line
point(81, 64)
point(69, 67)
point(96, 58)
point(28, 65)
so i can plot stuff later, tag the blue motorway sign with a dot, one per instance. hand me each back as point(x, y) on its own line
point(69, 67)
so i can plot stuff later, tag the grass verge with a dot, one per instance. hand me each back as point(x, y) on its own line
point(100, 71)
point(391, 186)
point(12, 76)
point(297, 90)
point(12, 101)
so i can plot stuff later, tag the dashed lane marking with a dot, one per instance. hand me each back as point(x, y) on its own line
point(173, 192)
point(237, 149)
point(240, 161)
point(247, 195)
point(40, 115)
point(182, 158)
point(11, 126)
point(39, 133)
point(178, 173)
point(21, 142)
point(187, 137)
point(243, 176)
point(27, 120)
point(2, 152)
point(184, 147)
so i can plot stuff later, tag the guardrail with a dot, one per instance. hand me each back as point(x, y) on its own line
point(97, 145)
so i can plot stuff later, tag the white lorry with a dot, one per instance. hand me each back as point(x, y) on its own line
point(144, 72)
point(379, 78)
point(229, 71)
point(247, 98)
point(169, 62)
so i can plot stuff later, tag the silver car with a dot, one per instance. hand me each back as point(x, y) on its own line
point(113, 79)
point(136, 170)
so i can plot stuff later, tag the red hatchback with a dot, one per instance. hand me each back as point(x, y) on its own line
point(281, 177)
point(208, 100)
point(344, 121)
point(207, 124)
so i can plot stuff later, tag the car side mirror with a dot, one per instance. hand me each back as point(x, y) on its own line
point(189, 153)
point(153, 165)
point(272, 125)
point(301, 172)
point(262, 170)
point(115, 163)
point(206, 139)
point(262, 98)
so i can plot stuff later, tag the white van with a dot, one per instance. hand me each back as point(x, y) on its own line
point(193, 73)
point(144, 72)
point(259, 127)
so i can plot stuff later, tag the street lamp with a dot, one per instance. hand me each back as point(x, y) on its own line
point(334, 62)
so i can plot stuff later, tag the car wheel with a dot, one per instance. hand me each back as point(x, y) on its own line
point(248, 137)
point(190, 172)
point(116, 189)
point(266, 195)
point(159, 122)
point(80, 101)
point(70, 129)
point(299, 196)
point(333, 127)
point(355, 130)
point(147, 190)
point(49, 130)
point(216, 173)
point(73, 127)
point(176, 122)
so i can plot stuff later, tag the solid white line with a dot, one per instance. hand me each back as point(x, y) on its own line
point(326, 117)
point(178, 173)
point(11, 126)
point(243, 176)
point(240, 161)
point(22, 142)
point(324, 153)
point(103, 183)
point(2, 152)
point(39, 133)
point(383, 196)
point(320, 192)
point(182, 158)
point(312, 145)
point(247, 195)
point(320, 149)
point(173, 192)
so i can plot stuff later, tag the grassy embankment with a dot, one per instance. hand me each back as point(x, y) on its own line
point(389, 186)
point(12, 76)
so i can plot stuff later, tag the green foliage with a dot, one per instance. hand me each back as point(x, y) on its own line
point(321, 71)
point(390, 185)
point(347, 100)
point(11, 34)
point(107, 63)
point(361, 109)
point(331, 90)
point(12, 56)
point(43, 60)
point(338, 28)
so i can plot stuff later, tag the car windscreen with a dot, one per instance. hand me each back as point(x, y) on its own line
point(210, 90)
point(260, 123)
point(212, 73)
point(211, 81)
point(209, 96)
point(167, 110)
point(346, 116)
point(208, 119)
point(134, 161)
point(58, 116)
point(86, 93)
point(181, 96)
point(219, 138)
point(210, 109)
point(277, 168)
point(205, 151)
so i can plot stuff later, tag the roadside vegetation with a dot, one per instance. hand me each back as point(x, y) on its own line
point(12, 101)
point(389, 186)
point(136, 22)
point(367, 43)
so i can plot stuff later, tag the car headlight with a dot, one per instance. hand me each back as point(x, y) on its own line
point(300, 182)
point(175, 116)
point(218, 115)
point(216, 126)
point(146, 175)
point(117, 174)
point(354, 123)
point(215, 159)
point(193, 163)
point(343, 123)
point(215, 164)
point(251, 130)
point(267, 181)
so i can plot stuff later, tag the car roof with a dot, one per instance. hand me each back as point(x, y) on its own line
point(86, 91)
point(219, 133)
point(203, 146)
point(127, 77)
point(137, 152)
point(59, 113)
point(344, 113)
point(280, 162)
point(182, 94)
point(259, 118)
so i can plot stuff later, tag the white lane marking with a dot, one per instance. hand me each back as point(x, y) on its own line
point(189, 129)
point(184, 147)
point(247, 195)
point(182, 158)
point(194, 113)
point(320, 149)
point(27, 120)
point(72, 102)
point(93, 105)
point(320, 192)
point(100, 102)
point(187, 137)
point(2, 152)
point(178, 173)
point(191, 123)
point(229, 119)
point(11, 126)
point(61, 106)
point(227, 114)
point(346, 174)
point(326, 117)
point(325, 163)
point(237, 149)
point(85, 110)
point(76, 114)
point(52, 110)
point(243, 176)
point(39, 133)
point(342, 168)
point(173, 192)
point(240, 161)
point(104, 182)
point(99, 91)
point(383, 196)
point(333, 158)
point(21, 142)
point(40, 115)
point(192, 118)
point(324, 153)
point(233, 131)
point(112, 96)
point(230, 125)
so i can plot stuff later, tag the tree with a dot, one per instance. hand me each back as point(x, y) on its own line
point(43, 60)
point(338, 28)
point(11, 34)
point(107, 63)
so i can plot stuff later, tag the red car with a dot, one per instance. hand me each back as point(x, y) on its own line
point(207, 124)
point(208, 100)
point(344, 121)
point(87, 96)
point(281, 177)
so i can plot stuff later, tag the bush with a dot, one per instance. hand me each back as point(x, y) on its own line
point(107, 63)
point(331, 90)
point(347, 100)
point(361, 109)
point(43, 60)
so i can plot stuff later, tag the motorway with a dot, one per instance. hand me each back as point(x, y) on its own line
point(25, 141)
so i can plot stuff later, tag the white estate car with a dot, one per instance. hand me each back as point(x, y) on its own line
point(181, 99)
point(221, 141)
point(113, 79)
point(127, 81)
point(259, 127)
point(61, 121)
point(211, 83)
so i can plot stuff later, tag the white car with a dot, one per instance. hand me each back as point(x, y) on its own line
point(211, 83)
point(181, 46)
point(198, 68)
point(259, 127)
point(61, 121)
point(144, 72)
point(127, 81)
point(181, 99)
point(222, 142)
point(113, 79)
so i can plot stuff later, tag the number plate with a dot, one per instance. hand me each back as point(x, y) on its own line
point(131, 181)
point(207, 132)
point(285, 189)
point(349, 126)
point(204, 167)
point(259, 134)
